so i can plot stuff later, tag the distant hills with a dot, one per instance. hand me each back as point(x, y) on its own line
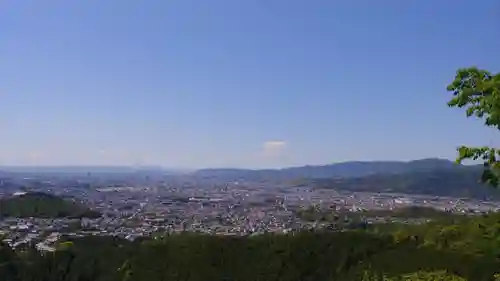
point(337, 170)
point(437, 177)
point(457, 182)
point(345, 169)
point(43, 205)
point(431, 176)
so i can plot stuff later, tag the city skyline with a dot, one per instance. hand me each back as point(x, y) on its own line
point(257, 84)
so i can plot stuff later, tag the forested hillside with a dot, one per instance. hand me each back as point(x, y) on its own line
point(42, 205)
point(444, 247)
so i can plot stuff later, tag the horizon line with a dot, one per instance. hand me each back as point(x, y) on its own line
point(161, 167)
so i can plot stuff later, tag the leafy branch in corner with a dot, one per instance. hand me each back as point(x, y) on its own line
point(478, 91)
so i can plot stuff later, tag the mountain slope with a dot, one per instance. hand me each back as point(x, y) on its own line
point(346, 169)
point(458, 182)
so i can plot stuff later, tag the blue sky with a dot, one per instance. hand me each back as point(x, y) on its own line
point(257, 83)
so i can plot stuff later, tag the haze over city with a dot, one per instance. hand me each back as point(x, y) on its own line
point(193, 84)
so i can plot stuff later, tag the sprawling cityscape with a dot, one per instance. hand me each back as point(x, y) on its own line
point(132, 207)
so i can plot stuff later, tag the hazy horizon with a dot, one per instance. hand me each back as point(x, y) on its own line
point(240, 84)
point(181, 169)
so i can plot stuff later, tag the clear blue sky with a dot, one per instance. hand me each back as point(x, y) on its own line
point(248, 83)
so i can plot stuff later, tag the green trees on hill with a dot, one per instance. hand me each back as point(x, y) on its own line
point(42, 205)
point(465, 250)
point(417, 276)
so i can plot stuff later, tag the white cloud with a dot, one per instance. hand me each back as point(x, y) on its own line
point(274, 144)
point(272, 154)
point(273, 148)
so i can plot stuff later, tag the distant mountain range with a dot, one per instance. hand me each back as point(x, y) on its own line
point(433, 176)
point(346, 169)
point(456, 182)
point(437, 177)
point(337, 170)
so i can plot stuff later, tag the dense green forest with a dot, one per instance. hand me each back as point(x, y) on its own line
point(468, 248)
point(42, 205)
point(407, 213)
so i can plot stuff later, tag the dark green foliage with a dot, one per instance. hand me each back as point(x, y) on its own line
point(43, 205)
point(468, 248)
point(9, 263)
point(412, 212)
